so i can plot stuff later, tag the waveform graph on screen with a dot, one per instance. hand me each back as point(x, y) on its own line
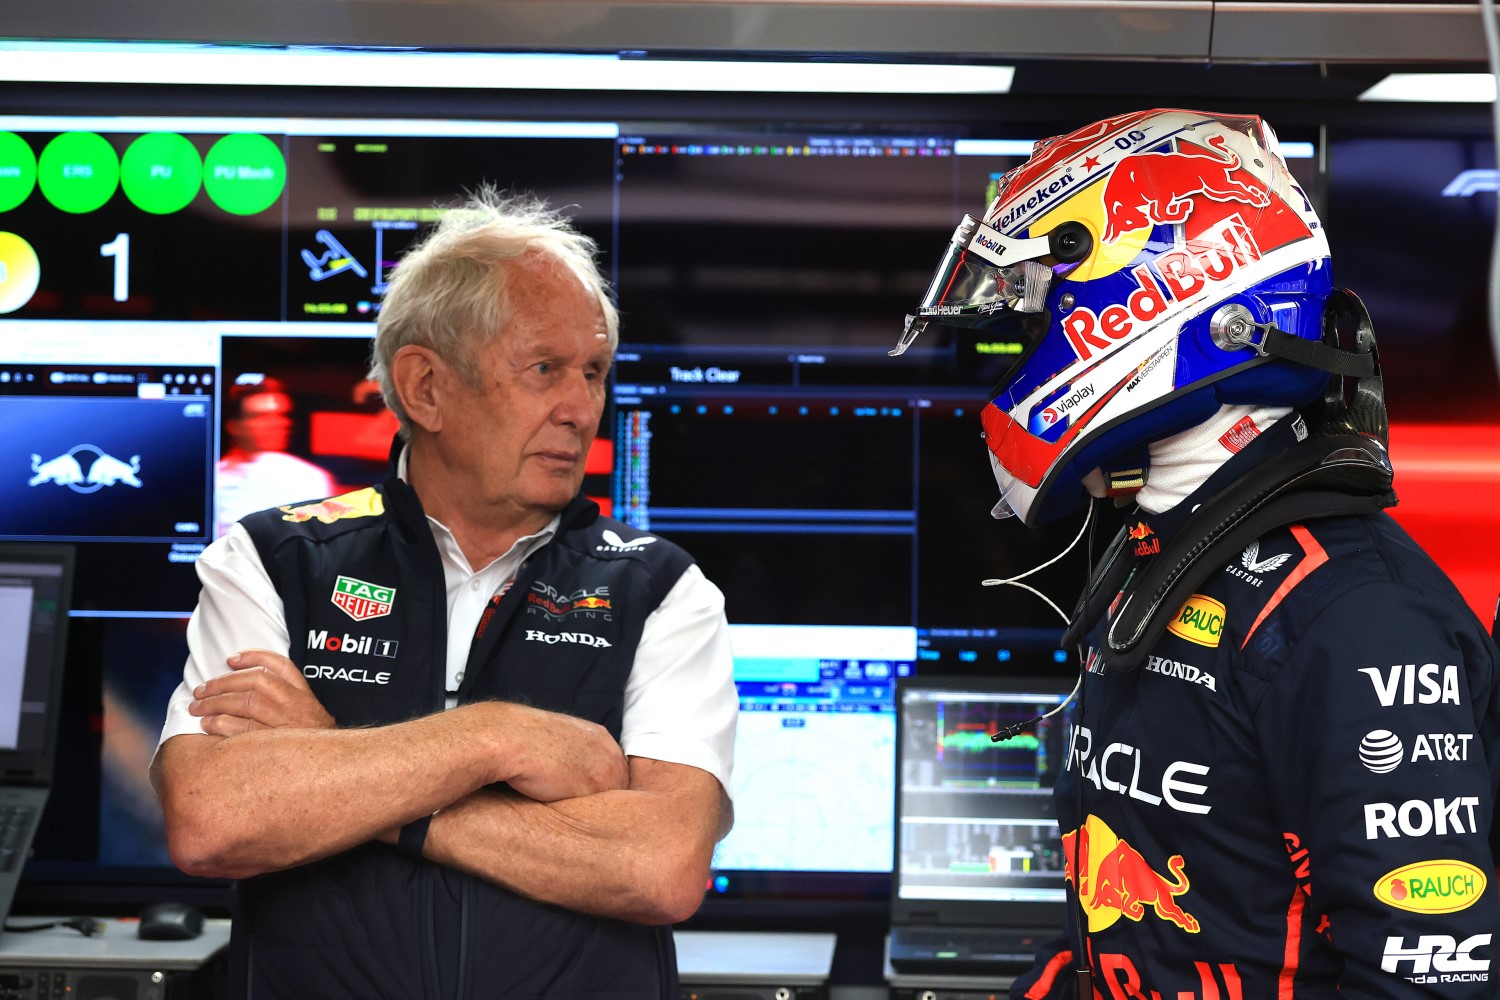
point(976, 818)
point(966, 754)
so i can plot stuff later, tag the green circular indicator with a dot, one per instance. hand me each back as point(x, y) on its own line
point(17, 170)
point(244, 173)
point(78, 171)
point(20, 272)
point(161, 173)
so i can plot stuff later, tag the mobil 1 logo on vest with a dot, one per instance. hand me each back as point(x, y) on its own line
point(351, 645)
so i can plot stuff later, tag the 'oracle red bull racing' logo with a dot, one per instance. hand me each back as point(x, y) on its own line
point(1157, 187)
point(1114, 880)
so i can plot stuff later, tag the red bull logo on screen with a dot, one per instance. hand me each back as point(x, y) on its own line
point(1114, 880)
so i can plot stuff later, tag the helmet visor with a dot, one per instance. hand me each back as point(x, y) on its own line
point(981, 274)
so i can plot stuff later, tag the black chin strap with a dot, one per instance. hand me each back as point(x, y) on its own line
point(1312, 353)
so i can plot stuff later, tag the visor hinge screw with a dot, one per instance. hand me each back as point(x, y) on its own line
point(1066, 301)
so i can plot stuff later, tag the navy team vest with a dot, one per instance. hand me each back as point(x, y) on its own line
point(362, 583)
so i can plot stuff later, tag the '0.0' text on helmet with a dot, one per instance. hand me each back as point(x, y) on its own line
point(1137, 264)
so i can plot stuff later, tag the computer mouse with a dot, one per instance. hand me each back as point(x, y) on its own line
point(170, 922)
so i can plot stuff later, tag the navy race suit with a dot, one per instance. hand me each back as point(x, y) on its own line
point(1291, 795)
point(362, 583)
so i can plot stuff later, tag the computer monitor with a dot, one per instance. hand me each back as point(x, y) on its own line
point(35, 590)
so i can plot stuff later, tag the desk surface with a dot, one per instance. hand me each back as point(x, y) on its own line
point(115, 947)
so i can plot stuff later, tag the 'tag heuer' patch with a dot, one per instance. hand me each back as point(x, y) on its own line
point(361, 600)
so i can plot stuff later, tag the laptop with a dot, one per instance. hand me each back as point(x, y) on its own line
point(36, 587)
point(979, 879)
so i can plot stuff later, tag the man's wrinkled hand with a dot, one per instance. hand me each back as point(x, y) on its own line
point(263, 690)
point(553, 756)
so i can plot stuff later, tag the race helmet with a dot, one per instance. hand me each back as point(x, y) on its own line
point(1143, 271)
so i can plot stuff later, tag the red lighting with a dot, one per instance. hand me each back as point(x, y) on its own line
point(1448, 482)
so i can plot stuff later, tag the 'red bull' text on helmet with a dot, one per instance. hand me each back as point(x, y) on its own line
point(1143, 263)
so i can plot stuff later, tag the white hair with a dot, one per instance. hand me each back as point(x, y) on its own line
point(450, 292)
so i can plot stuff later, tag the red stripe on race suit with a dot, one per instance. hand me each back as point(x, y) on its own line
point(1043, 985)
point(1285, 985)
point(1314, 557)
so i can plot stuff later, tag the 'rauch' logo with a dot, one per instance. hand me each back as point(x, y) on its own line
point(362, 601)
point(1432, 887)
point(1201, 620)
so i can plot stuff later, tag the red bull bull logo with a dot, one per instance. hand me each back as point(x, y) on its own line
point(590, 603)
point(1158, 187)
point(67, 470)
point(1114, 880)
point(360, 503)
point(1146, 542)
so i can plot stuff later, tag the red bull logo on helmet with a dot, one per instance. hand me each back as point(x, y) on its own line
point(1182, 277)
point(1158, 187)
point(1115, 880)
